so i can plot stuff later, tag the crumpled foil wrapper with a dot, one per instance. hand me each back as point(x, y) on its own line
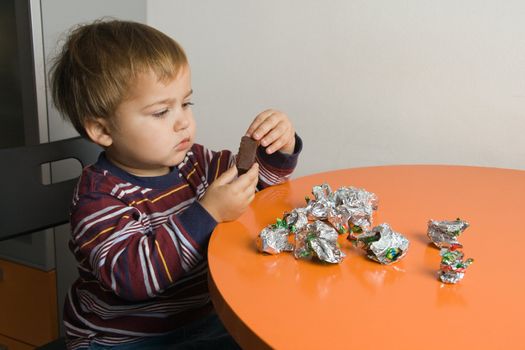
point(332, 213)
point(273, 240)
point(348, 208)
point(382, 244)
point(338, 218)
point(452, 268)
point(445, 233)
point(359, 206)
point(318, 240)
point(297, 219)
point(322, 204)
point(355, 197)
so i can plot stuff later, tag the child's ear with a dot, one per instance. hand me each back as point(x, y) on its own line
point(98, 131)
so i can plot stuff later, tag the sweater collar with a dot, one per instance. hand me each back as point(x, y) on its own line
point(156, 182)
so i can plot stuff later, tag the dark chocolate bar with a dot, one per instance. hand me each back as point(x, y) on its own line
point(246, 155)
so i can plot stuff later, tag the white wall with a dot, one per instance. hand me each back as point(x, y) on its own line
point(58, 17)
point(365, 82)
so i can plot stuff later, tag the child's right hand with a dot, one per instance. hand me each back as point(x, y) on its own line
point(228, 197)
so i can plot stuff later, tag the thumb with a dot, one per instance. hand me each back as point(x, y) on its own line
point(227, 177)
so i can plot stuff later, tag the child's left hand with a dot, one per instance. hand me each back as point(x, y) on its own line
point(274, 130)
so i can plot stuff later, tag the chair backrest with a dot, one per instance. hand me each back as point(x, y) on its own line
point(27, 204)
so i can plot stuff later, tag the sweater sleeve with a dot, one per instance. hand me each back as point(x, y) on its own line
point(276, 168)
point(129, 254)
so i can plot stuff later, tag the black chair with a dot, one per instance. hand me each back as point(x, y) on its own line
point(27, 205)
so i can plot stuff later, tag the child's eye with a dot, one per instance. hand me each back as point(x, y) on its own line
point(161, 113)
point(187, 104)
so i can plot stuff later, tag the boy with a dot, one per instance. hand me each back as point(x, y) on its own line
point(142, 216)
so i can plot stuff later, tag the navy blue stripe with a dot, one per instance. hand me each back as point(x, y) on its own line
point(198, 223)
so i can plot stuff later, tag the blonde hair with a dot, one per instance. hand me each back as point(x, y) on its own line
point(99, 61)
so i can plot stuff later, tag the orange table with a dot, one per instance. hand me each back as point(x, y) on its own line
point(279, 302)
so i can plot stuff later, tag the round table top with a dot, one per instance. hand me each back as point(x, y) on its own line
point(276, 301)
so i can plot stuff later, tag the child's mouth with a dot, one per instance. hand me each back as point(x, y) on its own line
point(183, 144)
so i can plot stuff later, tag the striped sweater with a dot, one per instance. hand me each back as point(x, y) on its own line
point(141, 242)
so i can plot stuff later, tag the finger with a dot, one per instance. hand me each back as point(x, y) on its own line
point(266, 126)
point(283, 141)
point(227, 177)
point(246, 181)
point(274, 134)
point(253, 173)
point(276, 146)
point(259, 119)
point(249, 191)
point(254, 177)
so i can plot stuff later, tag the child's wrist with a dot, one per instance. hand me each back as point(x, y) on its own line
point(210, 209)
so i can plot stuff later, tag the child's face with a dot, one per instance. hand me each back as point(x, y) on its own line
point(153, 128)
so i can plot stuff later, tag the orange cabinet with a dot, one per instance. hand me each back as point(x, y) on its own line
point(11, 344)
point(28, 305)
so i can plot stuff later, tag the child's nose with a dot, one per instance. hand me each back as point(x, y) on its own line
point(181, 124)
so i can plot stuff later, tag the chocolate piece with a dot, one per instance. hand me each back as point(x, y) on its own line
point(246, 155)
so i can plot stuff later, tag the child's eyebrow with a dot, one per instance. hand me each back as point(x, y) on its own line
point(168, 100)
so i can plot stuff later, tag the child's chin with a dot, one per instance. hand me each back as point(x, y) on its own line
point(179, 158)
